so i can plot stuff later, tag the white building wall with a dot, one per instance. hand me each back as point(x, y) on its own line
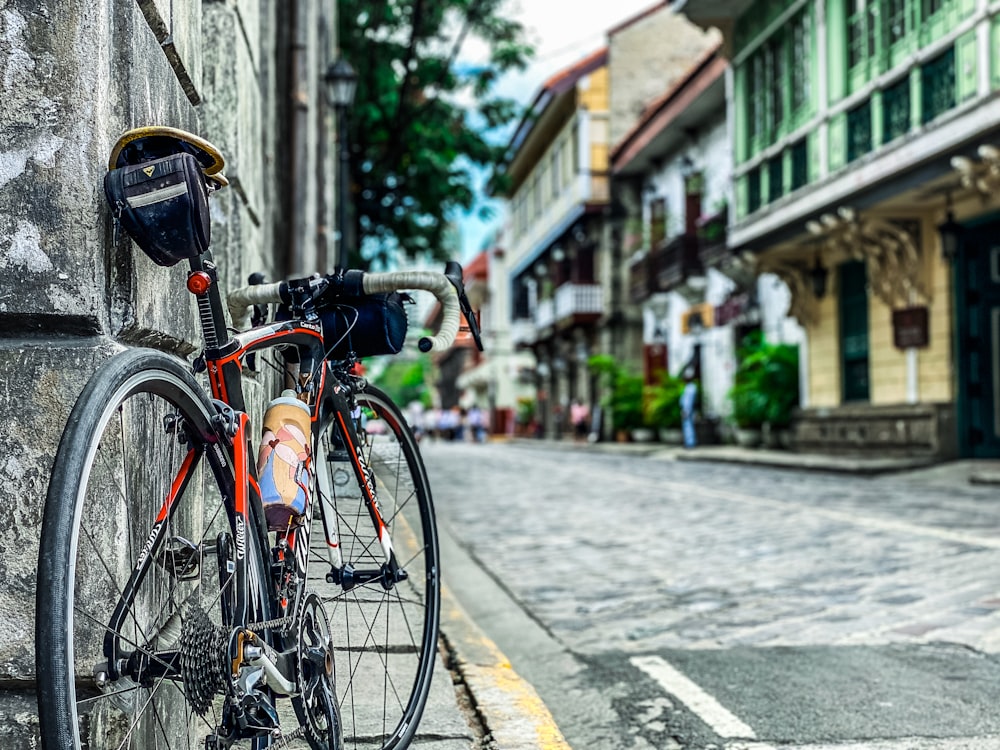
point(711, 154)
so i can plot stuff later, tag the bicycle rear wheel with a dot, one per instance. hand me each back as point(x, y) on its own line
point(139, 434)
point(385, 640)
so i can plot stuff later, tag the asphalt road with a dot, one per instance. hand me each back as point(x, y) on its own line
point(666, 604)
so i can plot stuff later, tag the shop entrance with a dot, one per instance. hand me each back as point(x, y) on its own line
point(977, 306)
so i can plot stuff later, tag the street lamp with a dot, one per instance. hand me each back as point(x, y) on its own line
point(951, 236)
point(817, 277)
point(341, 82)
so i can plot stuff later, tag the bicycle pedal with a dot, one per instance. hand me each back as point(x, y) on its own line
point(181, 558)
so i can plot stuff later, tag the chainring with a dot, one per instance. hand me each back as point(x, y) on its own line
point(315, 675)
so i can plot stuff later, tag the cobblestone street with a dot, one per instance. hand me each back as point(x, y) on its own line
point(810, 607)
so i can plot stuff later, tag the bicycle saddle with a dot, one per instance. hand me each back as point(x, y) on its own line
point(152, 142)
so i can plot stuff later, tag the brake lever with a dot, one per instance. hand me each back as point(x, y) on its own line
point(453, 272)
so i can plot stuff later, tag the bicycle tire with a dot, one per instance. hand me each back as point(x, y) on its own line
point(116, 462)
point(385, 639)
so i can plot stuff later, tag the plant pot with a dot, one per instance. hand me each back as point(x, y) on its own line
point(747, 437)
point(776, 437)
point(643, 435)
point(671, 435)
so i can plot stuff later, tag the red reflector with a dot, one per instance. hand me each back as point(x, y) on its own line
point(199, 282)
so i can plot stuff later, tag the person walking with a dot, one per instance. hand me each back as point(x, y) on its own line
point(579, 415)
point(689, 397)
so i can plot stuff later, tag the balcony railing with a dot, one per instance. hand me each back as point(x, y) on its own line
point(640, 279)
point(523, 332)
point(712, 249)
point(673, 262)
point(545, 313)
point(574, 300)
point(572, 303)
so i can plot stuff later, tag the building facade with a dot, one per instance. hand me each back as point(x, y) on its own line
point(863, 140)
point(699, 300)
point(558, 191)
point(567, 263)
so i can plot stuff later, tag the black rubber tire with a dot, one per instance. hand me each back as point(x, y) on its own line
point(385, 641)
point(115, 463)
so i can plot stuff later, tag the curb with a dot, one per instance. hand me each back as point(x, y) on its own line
point(510, 709)
point(755, 457)
point(805, 461)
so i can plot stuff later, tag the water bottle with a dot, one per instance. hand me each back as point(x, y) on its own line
point(283, 461)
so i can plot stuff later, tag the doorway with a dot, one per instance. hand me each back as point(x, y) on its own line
point(977, 336)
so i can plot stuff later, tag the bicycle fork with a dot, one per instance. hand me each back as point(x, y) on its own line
point(346, 575)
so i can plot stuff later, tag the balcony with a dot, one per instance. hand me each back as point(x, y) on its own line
point(579, 302)
point(640, 281)
point(572, 304)
point(523, 332)
point(545, 313)
point(712, 248)
point(673, 262)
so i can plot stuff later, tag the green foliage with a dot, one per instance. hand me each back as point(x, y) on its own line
point(405, 381)
point(623, 392)
point(663, 402)
point(525, 410)
point(415, 144)
point(766, 385)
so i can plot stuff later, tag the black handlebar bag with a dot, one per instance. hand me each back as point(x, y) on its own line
point(368, 326)
point(163, 205)
point(365, 326)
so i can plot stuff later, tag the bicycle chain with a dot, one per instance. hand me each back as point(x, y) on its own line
point(287, 739)
point(282, 623)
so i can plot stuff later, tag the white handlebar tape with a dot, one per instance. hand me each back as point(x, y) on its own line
point(430, 281)
point(241, 300)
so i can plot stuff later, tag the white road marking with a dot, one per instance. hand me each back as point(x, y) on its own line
point(905, 743)
point(705, 707)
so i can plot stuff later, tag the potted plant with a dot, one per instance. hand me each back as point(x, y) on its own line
point(662, 407)
point(623, 394)
point(748, 412)
point(525, 416)
point(766, 387)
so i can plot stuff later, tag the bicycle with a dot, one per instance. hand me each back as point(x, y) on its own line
point(169, 612)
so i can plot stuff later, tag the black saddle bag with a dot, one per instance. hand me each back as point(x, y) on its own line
point(163, 205)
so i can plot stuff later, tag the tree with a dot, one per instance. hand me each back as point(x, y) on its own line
point(416, 144)
point(405, 381)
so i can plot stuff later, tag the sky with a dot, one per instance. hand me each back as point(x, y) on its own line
point(562, 32)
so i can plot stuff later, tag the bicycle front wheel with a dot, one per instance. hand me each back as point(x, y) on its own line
point(385, 635)
point(130, 660)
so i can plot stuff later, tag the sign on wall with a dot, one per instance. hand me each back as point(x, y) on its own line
point(910, 328)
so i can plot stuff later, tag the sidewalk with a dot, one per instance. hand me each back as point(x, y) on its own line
point(974, 471)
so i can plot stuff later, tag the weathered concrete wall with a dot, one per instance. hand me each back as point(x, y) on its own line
point(75, 74)
point(645, 57)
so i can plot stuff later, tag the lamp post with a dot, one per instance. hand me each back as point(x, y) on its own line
point(341, 82)
point(951, 237)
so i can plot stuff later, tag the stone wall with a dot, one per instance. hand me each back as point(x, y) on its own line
point(74, 75)
point(902, 430)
